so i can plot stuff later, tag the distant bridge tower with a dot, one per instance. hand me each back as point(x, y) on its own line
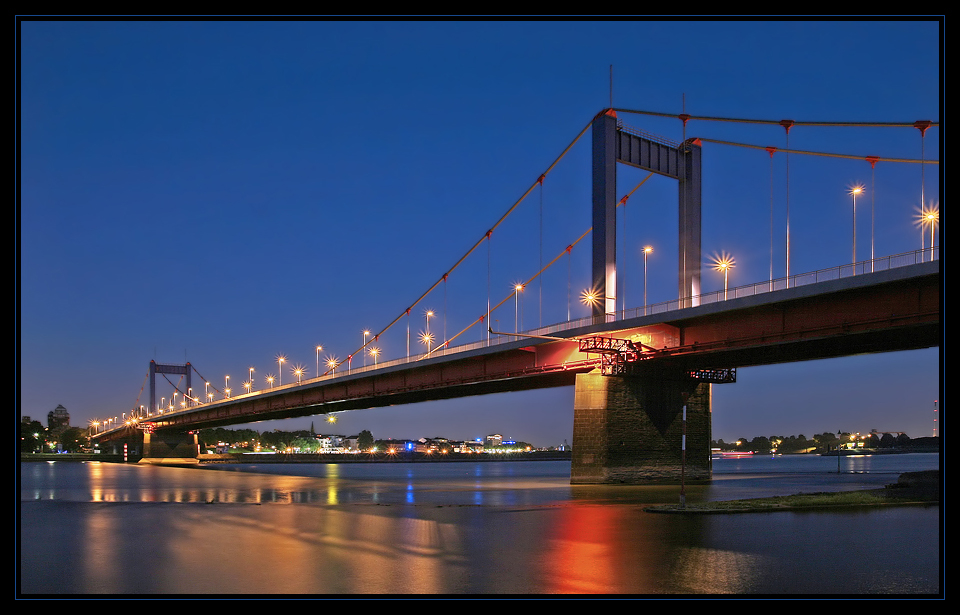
point(612, 145)
point(156, 368)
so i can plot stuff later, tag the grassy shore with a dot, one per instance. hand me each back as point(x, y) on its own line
point(911, 488)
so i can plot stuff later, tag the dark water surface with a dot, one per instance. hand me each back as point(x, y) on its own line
point(463, 528)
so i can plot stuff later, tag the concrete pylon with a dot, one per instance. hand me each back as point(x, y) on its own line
point(630, 429)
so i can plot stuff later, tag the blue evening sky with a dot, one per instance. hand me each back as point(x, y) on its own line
point(222, 192)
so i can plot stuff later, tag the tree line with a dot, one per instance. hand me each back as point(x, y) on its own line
point(819, 443)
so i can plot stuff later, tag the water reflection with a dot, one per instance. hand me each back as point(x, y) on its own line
point(449, 530)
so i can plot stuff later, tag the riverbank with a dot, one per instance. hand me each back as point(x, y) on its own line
point(404, 457)
point(911, 488)
point(39, 457)
point(262, 458)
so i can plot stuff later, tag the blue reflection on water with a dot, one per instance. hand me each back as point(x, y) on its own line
point(400, 528)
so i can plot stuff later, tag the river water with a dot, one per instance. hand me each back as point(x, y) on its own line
point(463, 529)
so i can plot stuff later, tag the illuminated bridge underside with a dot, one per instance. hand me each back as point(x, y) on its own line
point(897, 309)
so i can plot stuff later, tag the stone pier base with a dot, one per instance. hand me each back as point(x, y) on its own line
point(629, 429)
point(170, 448)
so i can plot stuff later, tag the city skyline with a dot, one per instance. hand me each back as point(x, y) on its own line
point(226, 193)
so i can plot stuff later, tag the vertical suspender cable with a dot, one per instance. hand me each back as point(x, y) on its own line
point(786, 125)
point(922, 126)
point(771, 150)
point(569, 249)
point(488, 287)
point(873, 208)
point(540, 324)
point(621, 282)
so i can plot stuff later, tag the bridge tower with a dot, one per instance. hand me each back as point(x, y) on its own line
point(612, 145)
point(635, 426)
point(156, 368)
point(168, 447)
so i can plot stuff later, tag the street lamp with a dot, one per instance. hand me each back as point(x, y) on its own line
point(931, 217)
point(280, 360)
point(646, 250)
point(332, 364)
point(854, 191)
point(365, 334)
point(270, 380)
point(226, 383)
point(298, 372)
point(251, 378)
point(591, 297)
point(724, 263)
point(374, 352)
point(319, 348)
point(426, 338)
point(516, 302)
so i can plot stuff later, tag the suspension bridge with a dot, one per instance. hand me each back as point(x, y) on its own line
point(642, 375)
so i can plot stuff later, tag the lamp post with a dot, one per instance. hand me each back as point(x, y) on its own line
point(516, 302)
point(332, 364)
point(591, 297)
point(427, 315)
point(375, 352)
point(251, 379)
point(319, 348)
point(365, 334)
point(427, 339)
point(646, 250)
point(280, 361)
point(724, 263)
point(931, 217)
point(854, 192)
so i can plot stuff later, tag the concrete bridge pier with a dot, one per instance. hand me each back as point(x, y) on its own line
point(629, 429)
point(128, 447)
point(171, 448)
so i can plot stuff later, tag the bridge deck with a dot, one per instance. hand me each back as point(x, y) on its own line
point(896, 309)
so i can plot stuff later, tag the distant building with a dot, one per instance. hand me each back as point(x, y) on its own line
point(58, 419)
point(397, 446)
point(332, 443)
point(494, 440)
point(467, 446)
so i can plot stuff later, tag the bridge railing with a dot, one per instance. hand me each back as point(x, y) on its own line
point(757, 288)
point(800, 279)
